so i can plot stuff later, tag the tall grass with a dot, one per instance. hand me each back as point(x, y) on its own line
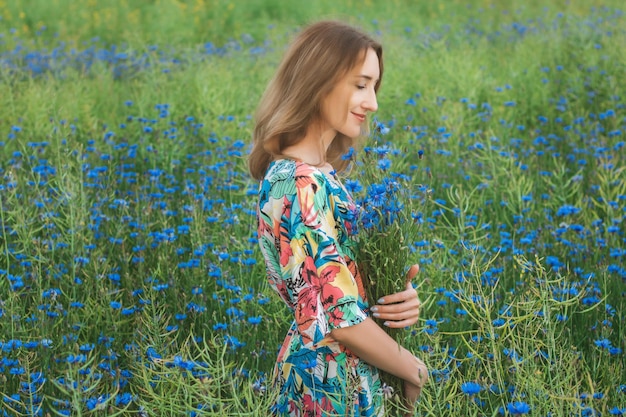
point(131, 282)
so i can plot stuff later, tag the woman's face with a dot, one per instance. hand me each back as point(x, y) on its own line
point(345, 107)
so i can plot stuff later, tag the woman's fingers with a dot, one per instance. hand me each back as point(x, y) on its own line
point(401, 309)
point(399, 324)
point(413, 270)
point(399, 312)
point(399, 315)
point(400, 301)
point(407, 295)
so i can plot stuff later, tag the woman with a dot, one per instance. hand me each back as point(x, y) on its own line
point(312, 112)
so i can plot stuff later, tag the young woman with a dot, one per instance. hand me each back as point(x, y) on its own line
point(311, 113)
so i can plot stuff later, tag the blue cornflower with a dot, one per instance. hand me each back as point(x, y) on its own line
point(93, 402)
point(86, 347)
point(123, 399)
point(589, 412)
point(51, 293)
point(115, 278)
point(195, 308)
point(258, 386)
point(471, 388)
point(11, 345)
point(151, 353)
point(561, 317)
point(181, 363)
point(376, 195)
point(127, 311)
point(81, 260)
point(220, 326)
point(499, 322)
point(382, 128)
point(353, 186)
point(31, 344)
point(76, 358)
point(233, 342)
point(18, 370)
point(348, 155)
point(603, 343)
point(384, 164)
point(518, 407)
point(566, 210)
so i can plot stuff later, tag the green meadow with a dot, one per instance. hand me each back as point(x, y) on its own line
point(131, 282)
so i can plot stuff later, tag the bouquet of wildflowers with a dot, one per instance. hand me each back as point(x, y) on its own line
point(390, 201)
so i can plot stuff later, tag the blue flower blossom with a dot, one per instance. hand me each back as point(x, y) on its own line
point(518, 408)
point(471, 388)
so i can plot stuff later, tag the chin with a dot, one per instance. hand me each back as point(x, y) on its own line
point(354, 133)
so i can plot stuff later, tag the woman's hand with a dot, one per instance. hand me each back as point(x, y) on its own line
point(413, 390)
point(401, 309)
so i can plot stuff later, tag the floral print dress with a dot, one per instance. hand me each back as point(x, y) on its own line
point(305, 217)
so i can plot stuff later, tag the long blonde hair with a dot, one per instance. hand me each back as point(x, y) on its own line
point(321, 54)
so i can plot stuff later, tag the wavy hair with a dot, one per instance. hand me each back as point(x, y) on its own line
point(317, 59)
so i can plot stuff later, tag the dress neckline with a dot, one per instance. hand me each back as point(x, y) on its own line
point(327, 169)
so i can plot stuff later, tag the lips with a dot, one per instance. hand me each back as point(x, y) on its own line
point(360, 117)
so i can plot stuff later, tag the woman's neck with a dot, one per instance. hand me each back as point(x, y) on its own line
point(313, 147)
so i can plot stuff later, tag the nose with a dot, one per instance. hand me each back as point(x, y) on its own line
point(370, 103)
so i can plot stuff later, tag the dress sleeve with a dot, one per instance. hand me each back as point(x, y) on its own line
point(328, 295)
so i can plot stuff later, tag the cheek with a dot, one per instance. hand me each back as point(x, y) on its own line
point(339, 113)
point(348, 103)
point(355, 100)
point(338, 107)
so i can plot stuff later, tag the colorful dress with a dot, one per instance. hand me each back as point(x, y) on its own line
point(305, 217)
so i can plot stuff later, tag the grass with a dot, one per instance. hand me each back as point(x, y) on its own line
point(131, 282)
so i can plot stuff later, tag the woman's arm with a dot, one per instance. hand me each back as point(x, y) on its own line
point(370, 343)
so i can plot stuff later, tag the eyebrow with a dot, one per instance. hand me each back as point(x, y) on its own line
point(367, 77)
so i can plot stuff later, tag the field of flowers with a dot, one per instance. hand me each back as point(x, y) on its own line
point(130, 278)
